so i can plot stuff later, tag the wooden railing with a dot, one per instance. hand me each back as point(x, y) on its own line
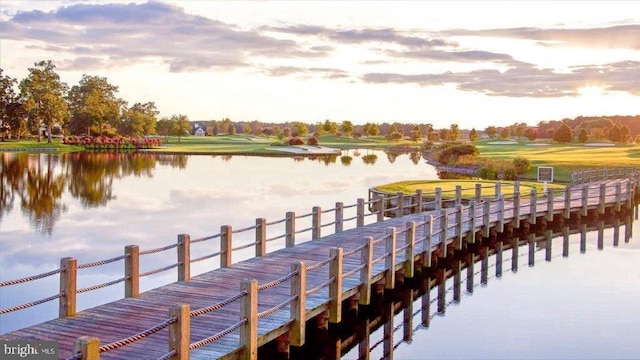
point(449, 223)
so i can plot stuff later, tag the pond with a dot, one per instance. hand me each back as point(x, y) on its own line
point(90, 206)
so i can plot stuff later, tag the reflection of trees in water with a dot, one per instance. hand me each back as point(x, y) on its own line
point(346, 160)
point(86, 176)
point(175, 161)
point(370, 159)
point(415, 157)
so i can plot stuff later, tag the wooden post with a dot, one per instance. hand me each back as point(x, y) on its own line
point(486, 218)
point(498, 190)
point(409, 254)
point(339, 220)
point(180, 331)
point(531, 239)
point(298, 307)
point(459, 226)
point(457, 280)
point(514, 253)
point(565, 241)
point(438, 199)
point(226, 246)
point(444, 227)
point(583, 238)
point(516, 210)
point(365, 274)
point(261, 237)
point(470, 272)
point(603, 193)
point(585, 200)
point(550, 204)
point(516, 187)
point(426, 302)
point(290, 229)
point(533, 206)
point(499, 249)
point(484, 265)
point(472, 213)
point(68, 287)
point(428, 231)
point(360, 213)
point(249, 311)
point(547, 245)
point(442, 290)
point(316, 223)
point(458, 194)
point(335, 288)
point(380, 213)
point(501, 213)
point(400, 200)
point(418, 201)
point(567, 202)
point(132, 271)
point(184, 257)
point(87, 347)
point(478, 192)
point(618, 196)
point(390, 259)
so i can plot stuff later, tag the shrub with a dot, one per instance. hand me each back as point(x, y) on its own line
point(312, 141)
point(521, 165)
point(296, 141)
point(510, 174)
point(450, 155)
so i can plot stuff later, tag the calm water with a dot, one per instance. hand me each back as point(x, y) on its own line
point(90, 206)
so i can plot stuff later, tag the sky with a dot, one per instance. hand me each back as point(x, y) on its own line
point(474, 64)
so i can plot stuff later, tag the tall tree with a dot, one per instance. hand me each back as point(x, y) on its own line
point(93, 103)
point(491, 131)
point(300, 128)
point(181, 125)
point(564, 134)
point(454, 132)
point(8, 104)
point(44, 97)
point(138, 120)
point(473, 135)
point(347, 127)
point(329, 127)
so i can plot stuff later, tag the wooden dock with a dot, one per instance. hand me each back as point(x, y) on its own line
point(231, 311)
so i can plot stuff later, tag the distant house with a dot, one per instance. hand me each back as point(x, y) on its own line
point(199, 130)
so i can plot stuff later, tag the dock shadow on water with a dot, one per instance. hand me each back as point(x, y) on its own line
point(398, 316)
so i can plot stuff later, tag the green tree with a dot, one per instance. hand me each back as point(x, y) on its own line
point(300, 128)
point(139, 120)
point(44, 97)
point(505, 133)
point(164, 126)
point(11, 108)
point(371, 129)
point(347, 127)
point(583, 136)
point(93, 103)
point(473, 135)
point(491, 131)
point(445, 134)
point(330, 127)
point(181, 125)
point(454, 132)
point(564, 134)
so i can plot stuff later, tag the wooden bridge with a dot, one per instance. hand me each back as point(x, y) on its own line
point(231, 311)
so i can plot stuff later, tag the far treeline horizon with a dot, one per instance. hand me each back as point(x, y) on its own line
point(42, 104)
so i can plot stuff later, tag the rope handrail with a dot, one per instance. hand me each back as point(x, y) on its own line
point(219, 335)
point(320, 287)
point(216, 306)
point(355, 270)
point(303, 216)
point(159, 270)
point(102, 262)
point(276, 237)
point(276, 222)
point(349, 219)
point(304, 230)
point(28, 305)
point(236, 231)
point(328, 224)
point(100, 286)
point(277, 308)
point(157, 250)
point(245, 246)
point(139, 336)
point(30, 278)
point(277, 282)
point(207, 256)
point(206, 238)
point(349, 206)
point(328, 211)
point(353, 251)
point(320, 264)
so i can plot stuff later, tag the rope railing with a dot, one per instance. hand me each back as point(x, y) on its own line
point(157, 250)
point(217, 306)
point(277, 282)
point(205, 238)
point(137, 337)
point(219, 335)
point(205, 257)
point(159, 270)
point(275, 309)
point(320, 287)
point(28, 305)
point(100, 286)
point(101, 262)
point(29, 278)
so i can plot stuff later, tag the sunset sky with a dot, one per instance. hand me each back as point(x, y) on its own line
point(473, 63)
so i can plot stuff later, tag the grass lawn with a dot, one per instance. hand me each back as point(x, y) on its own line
point(468, 187)
point(28, 144)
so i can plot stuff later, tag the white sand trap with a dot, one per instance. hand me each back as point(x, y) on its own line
point(502, 143)
point(600, 144)
point(307, 149)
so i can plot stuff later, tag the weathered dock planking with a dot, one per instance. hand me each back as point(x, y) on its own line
point(231, 311)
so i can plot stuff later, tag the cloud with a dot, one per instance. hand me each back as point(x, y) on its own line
point(326, 73)
point(116, 34)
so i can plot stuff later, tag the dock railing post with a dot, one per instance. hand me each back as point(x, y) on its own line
point(249, 311)
point(88, 348)
point(486, 217)
point(459, 226)
point(428, 233)
point(335, 288)
point(298, 307)
point(478, 193)
point(458, 194)
point(132, 271)
point(501, 213)
point(409, 254)
point(533, 205)
point(380, 214)
point(316, 222)
point(438, 199)
point(618, 195)
point(498, 189)
point(290, 229)
point(400, 209)
point(184, 257)
point(261, 237)
point(603, 194)
point(585, 200)
point(390, 259)
point(339, 220)
point(567, 202)
point(226, 246)
point(550, 204)
point(360, 213)
point(366, 259)
point(516, 209)
point(68, 287)
point(180, 331)
point(418, 201)
point(444, 229)
point(472, 215)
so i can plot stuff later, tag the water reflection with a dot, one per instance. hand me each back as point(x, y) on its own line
point(394, 318)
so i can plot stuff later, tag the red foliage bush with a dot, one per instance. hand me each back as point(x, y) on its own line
point(312, 141)
point(296, 141)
